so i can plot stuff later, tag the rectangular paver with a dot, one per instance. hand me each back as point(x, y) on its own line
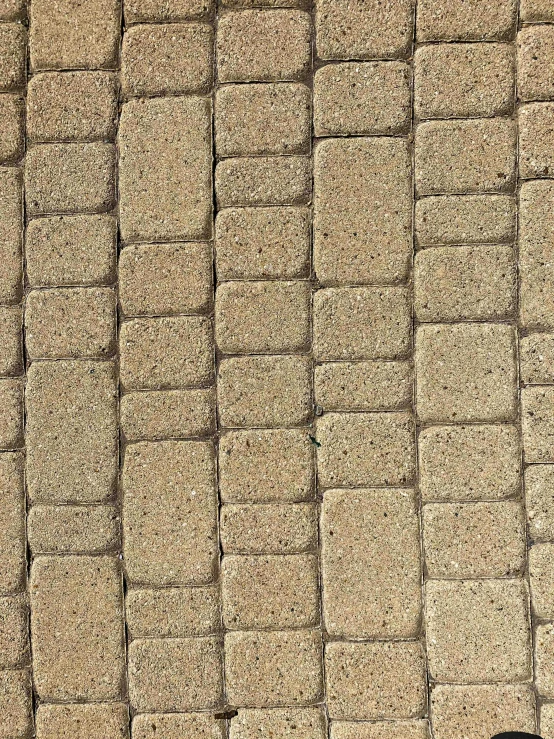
point(16, 703)
point(82, 720)
point(460, 20)
point(363, 386)
point(173, 612)
point(13, 555)
point(273, 528)
point(539, 499)
point(263, 180)
point(73, 529)
point(536, 357)
point(302, 723)
point(11, 232)
point(176, 725)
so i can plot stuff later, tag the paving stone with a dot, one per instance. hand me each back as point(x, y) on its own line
point(417, 729)
point(547, 719)
point(478, 631)
point(13, 556)
point(254, 243)
point(16, 704)
point(11, 414)
point(163, 279)
point(268, 529)
point(541, 579)
point(465, 283)
point(167, 414)
point(175, 674)
point(72, 437)
point(544, 656)
point(14, 640)
point(536, 140)
point(11, 10)
point(151, 11)
point(165, 353)
point(171, 612)
point(535, 65)
point(363, 386)
point(13, 56)
point(362, 211)
point(463, 20)
point(170, 538)
point(263, 317)
point(77, 628)
point(68, 36)
point(533, 11)
point(12, 113)
point(263, 466)
point(11, 355)
point(273, 668)
point(63, 529)
point(263, 45)
point(301, 723)
point(480, 711)
point(263, 181)
point(371, 571)
point(165, 180)
point(71, 250)
point(375, 680)
point(265, 391)
point(70, 322)
point(537, 421)
point(11, 231)
point(365, 449)
point(82, 721)
point(539, 501)
point(466, 373)
point(362, 98)
point(65, 178)
point(172, 59)
point(176, 725)
point(72, 106)
point(465, 156)
point(361, 323)
point(465, 219)
point(263, 3)
point(536, 359)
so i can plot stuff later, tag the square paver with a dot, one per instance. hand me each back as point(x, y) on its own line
point(536, 140)
point(14, 628)
point(177, 725)
point(151, 11)
point(415, 729)
point(535, 62)
point(16, 703)
point(267, 180)
point(541, 580)
point(13, 56)
point(173, 612)
point(537, 420)
point(12, 114)
point(301, 723)
point(11, 414)
point(536, 357)
point(13, 539)
point(53, 529)
point(82, 720)
point(274, 528)
point(539, 501)
point(11, 233)
point(544, 655)
point(466, 20)
point(11, 340)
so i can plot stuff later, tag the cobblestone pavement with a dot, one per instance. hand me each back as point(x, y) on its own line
point(277, 360)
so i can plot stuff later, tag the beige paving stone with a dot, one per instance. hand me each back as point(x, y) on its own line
point(362, 98)
point(361, 323)
point(254, 243)
point(466, 157)
point(273, 668)
point(268, 529)
point(11, 10)
point(165, 353)
point(541, 579)
point(417, 729)
point(68, 528)
point(14, 639)
point(173, 612)
point(363, 386)
point(175, 674)
point(68, 36)
point(535, 65)
point(263, 317)
point(11, 355)
point(168, 414)
point(149, 11)
point(547, 719)
point(176, 725)
point(533, 11)
point(479, 711)
point(362, 211)
point(301, 723)
point(11, 414)
point(11, 231)
point(466, 373)
point(460, 20)
point(465, 283)
point(371, 569)
point(264, 392)
point(165, 180)
point(172, 59)
point(12, 112)
point(465, 219)
point(71, 250)
point(71, 431)
point(170, 538)
point(13, 56)
point(264, 466)
point(364, 449)
point(263, 3)
point(263, 181)
point(536, 140)
point(537, 421)
point(536, 358)
point(544, 656)
point(164, 279)
point(263, 45)
point(13, 556)
point(82, 721)
point(375, 680)
point(16, 704)
point(77, 628)
point(539, 501)
point(478, 631)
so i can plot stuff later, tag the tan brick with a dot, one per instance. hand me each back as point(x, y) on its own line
point(536, 358)
point(168, 414)
point(171, 612)
point(532, 11)
point(463, 20)
point(173, 59)
point(465, 156)
point(63, 529)
point(466, 373)
point(12, 112)
point(268, 529)
point(166, 353)
point(263, 45)
point(176, 725)
point(14, 640)
point(539, 501)
point(11, 414)
point(363, 386)
point(72, 437)
point(263, 3)
point(362, 211)
point(478, 631)
point(82, 721)
point(163, 279)
point(547, 719)
point(274, 668)
point(11, 231)
point(68, 36)
point(263, 466)
point(147, 11)
point(365, 449)
point(13, 557)
point(537, 421)
point(263, 317)
point(362, 98)
point(165, 182)
point(375, 680)
point(71, 250)
point(263, 181)
point(77, 628)
point(465, 283)
point(465, 219)
point(253, 243)
point(300, 723)
point(13, 56)
point(535, 65)
point(541, 580)
point(157, 553)
point(265, 391)
point(371, 569)
point(16, 704)
point(11, 10)
point(11, 354)
point(480, 711)
point(544, 657)
point(417, 729)
point(536, 140)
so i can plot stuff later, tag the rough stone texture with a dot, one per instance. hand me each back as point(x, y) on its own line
point(11, 350)
point(14, 639)
point(535, 48)
point(533, 11)
point(541, 580)
point(11, 231)
point(544, 654)
point(148, 11)
point(536, 358)
point(547, 718)
point(13, 555)
point(466, 20)
point(16, 704)
point(11, 414)
point(177, 725)
point(537, 421)
point(13, 57)
point(263, 181)
point(301, 723)
point(12, 115)
point(539, 501)
point(58, 721)
point(363, 386)
point(536, 140)
point(269, 529)
point(416, 729)
point(68, 529)
point(173, 612)
point(11, 10)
